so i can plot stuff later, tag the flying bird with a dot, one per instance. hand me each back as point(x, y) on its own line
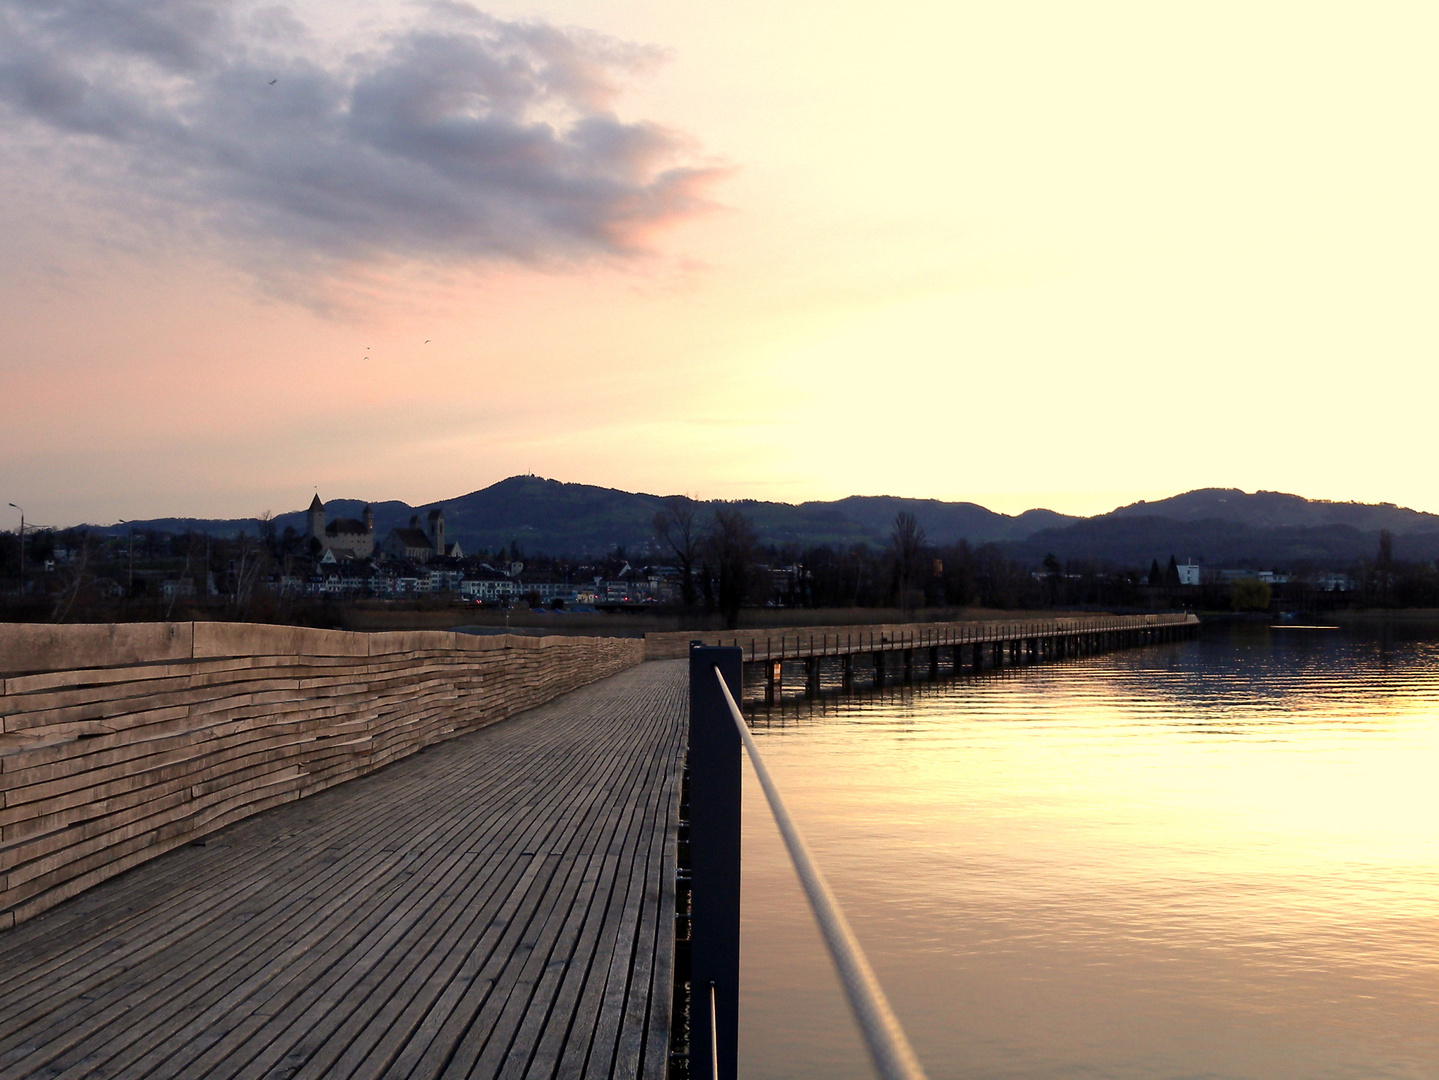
point(274, 81)
point(427, 341)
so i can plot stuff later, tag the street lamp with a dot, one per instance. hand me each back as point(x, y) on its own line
point(130, 554)
point(22, 547)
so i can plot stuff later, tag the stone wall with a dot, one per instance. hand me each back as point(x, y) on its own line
point(120, 742)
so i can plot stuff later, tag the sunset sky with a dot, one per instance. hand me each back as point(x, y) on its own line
point(1025, 254)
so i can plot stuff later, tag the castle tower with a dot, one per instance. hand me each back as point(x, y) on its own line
point(368, 516)
point(437, 530)
point(315, 519)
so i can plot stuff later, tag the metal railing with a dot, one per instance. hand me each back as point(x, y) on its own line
point(799, 645)
point(714, 1036)
point(888, 1047)
point(718, 741)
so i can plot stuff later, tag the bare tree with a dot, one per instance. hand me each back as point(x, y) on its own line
point(1385, 566)
point(906, 543)
point(184, 574)
point(250, 564)
point(678, 529)
point(81, 579)
point(729, 546)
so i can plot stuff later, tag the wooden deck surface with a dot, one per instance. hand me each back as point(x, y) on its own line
point(499, 905)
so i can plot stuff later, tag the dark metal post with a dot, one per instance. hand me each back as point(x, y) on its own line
point(716, 755)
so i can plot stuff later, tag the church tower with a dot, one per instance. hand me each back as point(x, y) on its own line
point(315, 519)
point(437, 530)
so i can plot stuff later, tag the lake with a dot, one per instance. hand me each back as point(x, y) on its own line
point(1215, 859)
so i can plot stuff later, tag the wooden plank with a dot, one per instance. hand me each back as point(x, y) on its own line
point(579, 1042)
point(343, 937)
point(445, 1030)
point(548, 821)
point(408, 704)
point(651, 975)
point(508, 1049)
point(610, 806)
point(309, 998)
point(323, 843)
point(572, 1026)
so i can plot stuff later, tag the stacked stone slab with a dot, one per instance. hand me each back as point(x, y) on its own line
point(120, 742)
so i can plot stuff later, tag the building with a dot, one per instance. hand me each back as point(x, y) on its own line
point(414, 544)
point(343, 536)
point(488, 587)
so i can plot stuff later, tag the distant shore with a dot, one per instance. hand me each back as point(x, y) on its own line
point(1382, 615)
point(637, 624)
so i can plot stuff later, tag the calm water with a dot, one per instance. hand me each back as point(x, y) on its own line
point(1213, 859)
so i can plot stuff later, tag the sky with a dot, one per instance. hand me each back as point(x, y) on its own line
point(1025, 254)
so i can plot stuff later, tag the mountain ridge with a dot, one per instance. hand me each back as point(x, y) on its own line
point(1212, 525)
point(556, 517)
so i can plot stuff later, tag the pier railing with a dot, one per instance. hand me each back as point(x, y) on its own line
point(886, 1041)
point(797, 643)
point(718, 738)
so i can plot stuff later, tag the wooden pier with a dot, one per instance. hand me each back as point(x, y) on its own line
point(851, 656)
point(501, 904)
point(498, 903)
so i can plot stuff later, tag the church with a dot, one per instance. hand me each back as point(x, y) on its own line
point(343, 536)
point(421, 545)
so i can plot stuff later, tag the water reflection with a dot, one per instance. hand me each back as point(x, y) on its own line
point(1218, 858)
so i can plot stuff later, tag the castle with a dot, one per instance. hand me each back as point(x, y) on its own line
point(343, 536)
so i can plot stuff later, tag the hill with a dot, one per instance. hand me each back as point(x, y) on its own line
point(547, 515)
point(577, 519)
point(1213, 526)
point(1231, 528)
point(1274, 509)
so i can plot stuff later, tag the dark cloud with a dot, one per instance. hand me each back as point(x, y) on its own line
point(460, 136)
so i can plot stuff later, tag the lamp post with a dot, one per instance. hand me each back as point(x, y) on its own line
point(22, 547)
point(130, 556)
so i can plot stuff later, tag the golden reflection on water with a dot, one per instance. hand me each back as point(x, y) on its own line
point(1216, 859)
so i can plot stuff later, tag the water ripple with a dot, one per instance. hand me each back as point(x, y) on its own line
point(1213, 859)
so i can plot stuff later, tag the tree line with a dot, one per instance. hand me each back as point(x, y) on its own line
point(720, 563)
point(723, 566)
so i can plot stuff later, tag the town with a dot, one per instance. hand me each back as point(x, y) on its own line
point(341, 564)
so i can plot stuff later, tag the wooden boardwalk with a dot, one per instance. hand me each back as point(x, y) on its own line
point(499, 905)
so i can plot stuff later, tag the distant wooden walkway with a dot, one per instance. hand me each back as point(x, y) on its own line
point(499, 905)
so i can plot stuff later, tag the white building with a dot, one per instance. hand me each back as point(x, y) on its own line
point(487, 589)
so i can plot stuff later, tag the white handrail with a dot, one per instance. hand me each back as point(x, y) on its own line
point(714, 1036)
point(888, 1047)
